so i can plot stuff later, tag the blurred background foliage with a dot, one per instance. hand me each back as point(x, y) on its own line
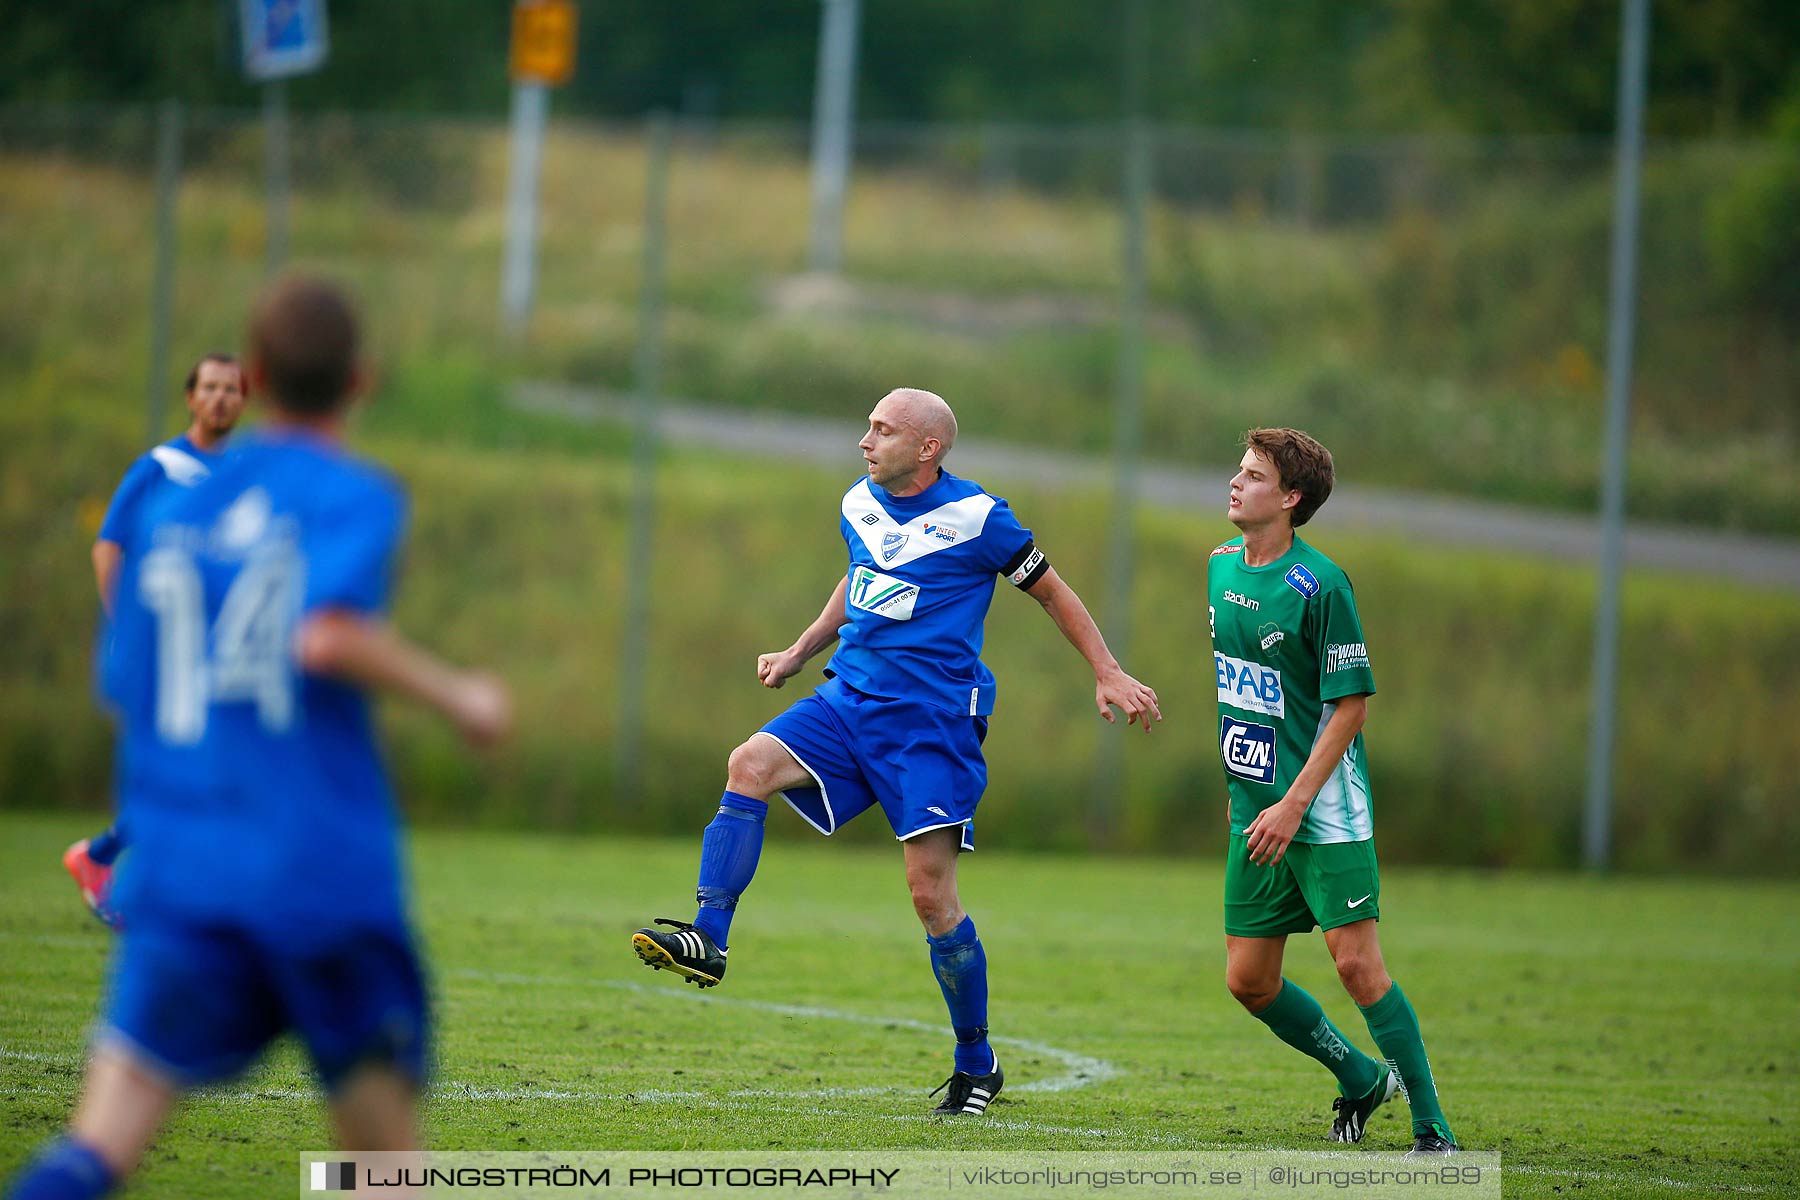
point(1384, 222)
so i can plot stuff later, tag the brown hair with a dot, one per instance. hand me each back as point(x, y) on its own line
point(223, 359)
point(1303, 464)
point(303, 333)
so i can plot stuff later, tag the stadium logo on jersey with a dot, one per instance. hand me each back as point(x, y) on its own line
point(942, 533)
point(1302, 581)
point(1250, 686)
point(890, 545)
point(1345, 656)
point(1218, 550)
point(1247, 749)
point(1269, 636)
point(883, 595)
point(1242, 600)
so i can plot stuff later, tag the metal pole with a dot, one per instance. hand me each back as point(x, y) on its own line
point(1596, 825)
point(162, 287)
point(833, 115)
point(275, 170)
point(634, 655)
point(1128, 410)
point(518, 276)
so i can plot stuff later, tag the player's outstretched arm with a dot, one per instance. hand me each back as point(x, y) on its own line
point(1274, 827)
point(1112, 686)
point(777, 668)
point(106, 556)
point(373, 654)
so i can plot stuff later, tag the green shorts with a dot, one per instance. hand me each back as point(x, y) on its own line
point(1327, 884)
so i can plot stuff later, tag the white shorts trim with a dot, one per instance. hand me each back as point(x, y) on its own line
point(824, 794)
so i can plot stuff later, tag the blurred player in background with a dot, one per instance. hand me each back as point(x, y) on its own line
point(900, 720)
point(1294, 682)
point(216, 392)
point(264, 894)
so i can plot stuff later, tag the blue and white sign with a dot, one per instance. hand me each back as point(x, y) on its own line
point(282, 37)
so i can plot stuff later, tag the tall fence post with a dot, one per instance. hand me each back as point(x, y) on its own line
point(634, 655)
point(162, 286)
point(276, 156)
point(1596, 821)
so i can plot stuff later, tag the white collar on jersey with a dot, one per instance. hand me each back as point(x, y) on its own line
point(179, 465)
point(894, 544)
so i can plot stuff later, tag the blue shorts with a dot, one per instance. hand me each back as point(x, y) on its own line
point(922, 764)
point(198, 1004)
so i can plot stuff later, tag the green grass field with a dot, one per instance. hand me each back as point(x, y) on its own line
point(1614, 1038)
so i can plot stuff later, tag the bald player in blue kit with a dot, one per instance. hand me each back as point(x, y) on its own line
point(900, 719)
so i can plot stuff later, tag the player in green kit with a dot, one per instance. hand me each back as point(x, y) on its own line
point(1294, 682)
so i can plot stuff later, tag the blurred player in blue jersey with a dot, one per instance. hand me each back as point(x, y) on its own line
point(216, 391)
point(900, 720)
point(264, 893)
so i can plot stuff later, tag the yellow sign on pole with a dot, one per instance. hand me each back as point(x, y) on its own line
point(543, 42)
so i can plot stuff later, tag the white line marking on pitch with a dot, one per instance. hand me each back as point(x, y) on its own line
point(1080, 1070)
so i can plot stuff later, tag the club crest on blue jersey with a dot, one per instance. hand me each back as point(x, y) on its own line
point(1248, 749)
point(891, 544)
point(1302, 581)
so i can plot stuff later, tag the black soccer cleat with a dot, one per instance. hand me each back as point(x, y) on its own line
point(687, 952)
point(1353, 1115)
point(969, 1094)
point(1434, 1143)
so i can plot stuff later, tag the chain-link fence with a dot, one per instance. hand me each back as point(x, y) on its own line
point(1434, 310)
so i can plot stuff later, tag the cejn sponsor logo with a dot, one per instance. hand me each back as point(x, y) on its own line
point(1027, 567)
point(1248, 749)
point(883, 595)
point(1345, 656)
point(1242, 600)
point(1250, 686)
point(1218, 550)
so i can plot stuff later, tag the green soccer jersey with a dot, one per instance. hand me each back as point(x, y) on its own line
point(1287, 644)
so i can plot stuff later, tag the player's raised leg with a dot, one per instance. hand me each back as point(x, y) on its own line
point(960, 964)
point(1356, 950)
point(729, 851)
point(90, 863)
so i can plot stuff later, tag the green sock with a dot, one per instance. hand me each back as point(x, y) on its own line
point(1395, 1027)
point(1297, 1019)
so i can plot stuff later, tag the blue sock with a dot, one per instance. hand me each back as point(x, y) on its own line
point(960, 965)
point(63, 1170)
point(105, 847)
point(728, 854)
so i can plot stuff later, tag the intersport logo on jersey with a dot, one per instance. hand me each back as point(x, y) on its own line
point(1249, 686)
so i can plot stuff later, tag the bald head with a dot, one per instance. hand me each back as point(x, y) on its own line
point(910, 431)
point(925, 413)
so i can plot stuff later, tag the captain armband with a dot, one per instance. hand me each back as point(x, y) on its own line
point(1027, 567)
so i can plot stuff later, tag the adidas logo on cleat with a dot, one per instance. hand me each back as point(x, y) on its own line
point(687, 951)
point(969, 1095)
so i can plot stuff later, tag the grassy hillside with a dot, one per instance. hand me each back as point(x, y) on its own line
point(1446, 336)
point(517, 558)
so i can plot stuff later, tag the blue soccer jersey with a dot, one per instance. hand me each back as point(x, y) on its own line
point(254, 791)
point(922, 572)
point(177, 463)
